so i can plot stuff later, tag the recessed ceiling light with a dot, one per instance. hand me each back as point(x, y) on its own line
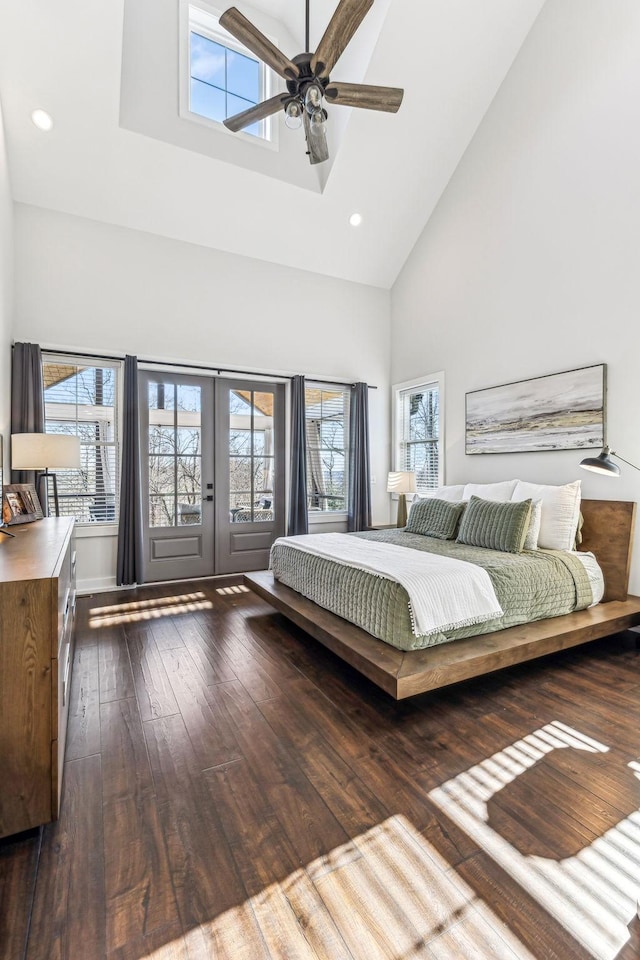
point(42, 120)
point(355, 219)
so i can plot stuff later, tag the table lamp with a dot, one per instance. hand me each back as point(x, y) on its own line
point(43, 451)
point(401, 482)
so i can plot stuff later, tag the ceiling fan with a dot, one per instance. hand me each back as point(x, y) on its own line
point(307, 76)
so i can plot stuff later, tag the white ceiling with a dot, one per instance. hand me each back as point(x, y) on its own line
point(450, 56)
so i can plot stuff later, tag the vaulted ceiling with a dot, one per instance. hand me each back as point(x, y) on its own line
point(119, 152)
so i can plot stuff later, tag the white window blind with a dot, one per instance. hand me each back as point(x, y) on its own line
point(81, 399)
point(327, 425)
point(418, 420)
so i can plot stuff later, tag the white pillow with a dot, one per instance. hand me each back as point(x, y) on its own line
point(492, 491)
point(560, 512)
point(531, 539)
point(451, 492)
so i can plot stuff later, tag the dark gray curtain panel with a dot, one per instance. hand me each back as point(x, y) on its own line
point(27, 399)
point(129, 563)
point(359, 504)
point(298, 520)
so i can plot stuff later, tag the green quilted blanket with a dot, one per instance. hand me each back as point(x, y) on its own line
point(530, 586)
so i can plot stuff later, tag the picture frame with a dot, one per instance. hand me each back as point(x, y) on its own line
point(557, 411)
point(20, 503)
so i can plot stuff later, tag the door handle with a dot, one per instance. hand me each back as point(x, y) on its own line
point(208, 498)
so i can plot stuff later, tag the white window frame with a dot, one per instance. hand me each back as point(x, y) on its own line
point(419, 383)
point(332, 516)
point(199, 16)
point(99, 527)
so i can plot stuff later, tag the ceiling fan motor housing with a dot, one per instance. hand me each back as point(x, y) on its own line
point(298, 86)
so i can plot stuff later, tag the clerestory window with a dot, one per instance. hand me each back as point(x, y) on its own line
point(224, 78)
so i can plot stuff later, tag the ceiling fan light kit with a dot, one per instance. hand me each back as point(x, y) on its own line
point(307, 77)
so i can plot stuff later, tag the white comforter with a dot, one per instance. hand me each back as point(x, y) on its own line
point(444, 594)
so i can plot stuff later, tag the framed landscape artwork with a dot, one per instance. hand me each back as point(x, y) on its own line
point(560, 411)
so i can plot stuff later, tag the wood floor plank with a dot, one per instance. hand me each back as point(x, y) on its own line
point(262, 638)
point(83, 731)
point(233, 658)
point(352, 803)
point(314, 918)
point(211, 733)
point(138, 886)
point(528, 921)
point(166, 943)
point(116, 678)
point(68, 918)
point(262, 854)
point(153, 689)
point(303, 815)
point(18, 866)
point(165, 633)
point(210, 661)
point(204, 874)
point(474, 937)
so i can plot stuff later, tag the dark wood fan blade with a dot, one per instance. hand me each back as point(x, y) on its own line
point(365, 95)
point(346, 19)
point(261, 110)
point(254, 40)
point(316, 140)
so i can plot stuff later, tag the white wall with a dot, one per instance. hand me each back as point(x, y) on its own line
point(90, 286)
point(531, 262)
point(6, 292)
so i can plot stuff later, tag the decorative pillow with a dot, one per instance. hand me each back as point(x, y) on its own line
point(491, 491)
point(495, 525)
point(560, 512)
point(451, 492)
point(531, 539)
point(435, 518)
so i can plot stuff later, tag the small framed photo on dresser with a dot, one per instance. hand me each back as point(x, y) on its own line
point(20, 503)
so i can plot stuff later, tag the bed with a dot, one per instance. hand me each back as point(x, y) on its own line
point(607, 533)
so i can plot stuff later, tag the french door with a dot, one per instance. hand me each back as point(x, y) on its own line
point(212, 457)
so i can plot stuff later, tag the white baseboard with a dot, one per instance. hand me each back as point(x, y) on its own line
point(99, 585)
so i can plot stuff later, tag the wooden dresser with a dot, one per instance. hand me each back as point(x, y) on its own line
point(37, 608)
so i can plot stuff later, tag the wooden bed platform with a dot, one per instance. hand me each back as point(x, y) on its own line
point(608, 532)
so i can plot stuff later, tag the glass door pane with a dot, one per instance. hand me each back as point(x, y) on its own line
point(250, 484)
point(251, 456)
point(175, 454)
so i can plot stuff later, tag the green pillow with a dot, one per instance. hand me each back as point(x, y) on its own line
point(495, 525)
point(435, 518)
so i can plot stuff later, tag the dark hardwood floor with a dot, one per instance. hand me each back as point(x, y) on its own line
point(233, 790)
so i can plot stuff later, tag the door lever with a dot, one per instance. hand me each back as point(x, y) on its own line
point(209, 498)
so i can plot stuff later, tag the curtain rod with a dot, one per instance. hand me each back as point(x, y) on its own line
point(190, 366)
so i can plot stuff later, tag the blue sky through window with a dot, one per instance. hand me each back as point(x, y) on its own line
point(223, 82)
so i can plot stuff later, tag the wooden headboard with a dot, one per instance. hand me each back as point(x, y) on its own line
point(608, 533)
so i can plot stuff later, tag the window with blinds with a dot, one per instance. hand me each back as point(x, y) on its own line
point(418, 432)
point(81, 399)
point(327, 424)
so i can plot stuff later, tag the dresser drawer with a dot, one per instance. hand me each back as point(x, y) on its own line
point(66, 599)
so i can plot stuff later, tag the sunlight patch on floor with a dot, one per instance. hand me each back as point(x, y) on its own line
point(236, 588)
point(152, 609)
point(386, 895)
point(592, 894)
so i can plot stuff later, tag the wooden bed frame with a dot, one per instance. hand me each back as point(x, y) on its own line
point(608, 532)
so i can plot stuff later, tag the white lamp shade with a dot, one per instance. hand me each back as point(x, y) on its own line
point(44, 451)
point(401, 481)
